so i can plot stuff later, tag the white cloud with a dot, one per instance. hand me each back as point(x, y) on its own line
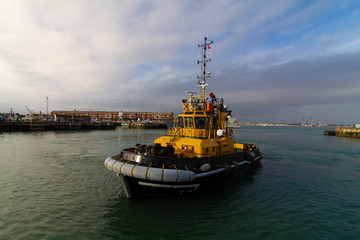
point(84, 53)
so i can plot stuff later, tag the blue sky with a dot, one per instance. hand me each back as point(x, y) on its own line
point(272, 61)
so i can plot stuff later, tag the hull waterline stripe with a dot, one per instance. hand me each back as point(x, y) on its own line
point(167, 185)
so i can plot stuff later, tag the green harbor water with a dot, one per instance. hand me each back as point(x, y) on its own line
point(53, 185)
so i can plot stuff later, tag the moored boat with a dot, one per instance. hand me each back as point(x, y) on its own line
point(199, 151)
point(233, 123)
point(36, 124)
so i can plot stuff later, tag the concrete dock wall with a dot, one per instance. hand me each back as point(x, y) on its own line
point(52, 126)
point(147, 125)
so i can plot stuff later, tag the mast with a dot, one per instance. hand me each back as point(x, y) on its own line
point(47, 108)
point(203, 75)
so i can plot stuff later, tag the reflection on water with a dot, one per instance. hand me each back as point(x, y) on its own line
point(163, 217)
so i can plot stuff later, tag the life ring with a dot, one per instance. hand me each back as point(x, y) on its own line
point(230, 132)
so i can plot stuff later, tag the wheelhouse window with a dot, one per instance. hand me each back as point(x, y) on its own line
point(200, 122)
point(188, 122)
point(180, 122)
point(208, 122)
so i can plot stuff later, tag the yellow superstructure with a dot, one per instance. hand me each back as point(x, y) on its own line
point(200, 130)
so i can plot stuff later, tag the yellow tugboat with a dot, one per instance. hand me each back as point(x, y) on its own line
point(199, 152)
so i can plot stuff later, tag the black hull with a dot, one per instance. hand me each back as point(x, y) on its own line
point(179, 176)
point(137, 188)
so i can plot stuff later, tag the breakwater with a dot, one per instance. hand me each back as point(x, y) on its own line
point(52, 126)
point(348, 132)
point(344, 132)
point(329, 133)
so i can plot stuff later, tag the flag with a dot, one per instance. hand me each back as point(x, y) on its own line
point(209, 46)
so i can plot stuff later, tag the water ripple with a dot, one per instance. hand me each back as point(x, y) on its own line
point(55, 186)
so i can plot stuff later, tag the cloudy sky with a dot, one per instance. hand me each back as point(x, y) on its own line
point(272, 61)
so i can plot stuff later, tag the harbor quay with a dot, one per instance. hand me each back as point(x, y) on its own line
point(15, 126)
point(83, 120)
point(141, 125)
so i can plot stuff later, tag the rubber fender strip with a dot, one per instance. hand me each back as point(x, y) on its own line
point(106, 160)
point(147, 170)
point(112, 166)
point(124, 165)
point(132, 170)
point(188, 172)
point(162, 175)
point(177, 173)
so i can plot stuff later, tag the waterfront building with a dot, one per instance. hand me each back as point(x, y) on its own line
point(114, 116)
point(152, 116)
point(62, 118)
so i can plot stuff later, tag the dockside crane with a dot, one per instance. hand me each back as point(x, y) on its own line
point(306, 122)
point(31, 113)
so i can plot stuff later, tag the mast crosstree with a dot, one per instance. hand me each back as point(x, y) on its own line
point(203, 74)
